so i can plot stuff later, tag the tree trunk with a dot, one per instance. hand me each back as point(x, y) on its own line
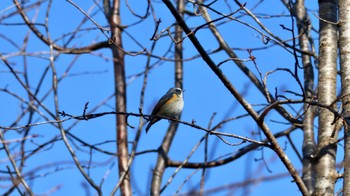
point(344, 43)
point(326, 149)
point(309, 145)
point(120, 96)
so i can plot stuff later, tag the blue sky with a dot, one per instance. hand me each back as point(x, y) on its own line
point(91, 79)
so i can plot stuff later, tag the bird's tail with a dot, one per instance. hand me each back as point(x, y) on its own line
point(151, 122)
point(149, 126)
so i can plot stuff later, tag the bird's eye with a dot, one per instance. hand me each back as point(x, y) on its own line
point(178, 90)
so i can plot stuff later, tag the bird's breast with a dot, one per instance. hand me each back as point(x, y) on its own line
point(173, 106)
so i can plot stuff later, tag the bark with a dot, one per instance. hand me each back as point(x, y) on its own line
point(309, 145)
point(120, 96)
point(344, 43)
point(326, 149)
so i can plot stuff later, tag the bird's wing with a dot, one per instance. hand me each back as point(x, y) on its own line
point(161, 102)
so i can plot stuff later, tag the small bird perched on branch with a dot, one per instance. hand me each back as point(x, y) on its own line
point(170, 105)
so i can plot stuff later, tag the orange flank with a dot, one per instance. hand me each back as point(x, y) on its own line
point(171, 99)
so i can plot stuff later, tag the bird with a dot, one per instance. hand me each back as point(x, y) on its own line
point(170, 105)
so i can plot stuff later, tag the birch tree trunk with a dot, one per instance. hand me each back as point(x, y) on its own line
point(344, 43)
point(326, 149)
point(309, 145)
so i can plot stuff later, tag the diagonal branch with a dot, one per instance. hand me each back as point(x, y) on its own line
point(277, 148)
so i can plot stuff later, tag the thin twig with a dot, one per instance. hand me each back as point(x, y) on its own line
point(13, 162)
